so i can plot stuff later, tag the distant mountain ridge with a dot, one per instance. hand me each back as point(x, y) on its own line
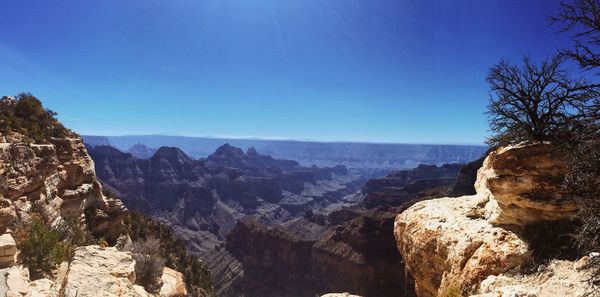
point(322, 154)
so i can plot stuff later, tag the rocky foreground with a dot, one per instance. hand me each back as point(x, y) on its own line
point(479, 245)
point(55, 179)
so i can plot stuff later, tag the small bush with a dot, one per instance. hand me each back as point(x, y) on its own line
point(41, 249)
point(197, 277)
point(72, 233)
point(148, 264)
point(28, 117)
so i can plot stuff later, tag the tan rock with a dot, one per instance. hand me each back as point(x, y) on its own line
point(42, 288)
point(97, 271)
point(445, 250)
point(14, 281)
point(560, 278)
point(523, 185)
point(8, 246)
point(173, 284)
point(59, 177)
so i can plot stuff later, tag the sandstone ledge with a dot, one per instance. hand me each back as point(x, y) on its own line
point(444, 249)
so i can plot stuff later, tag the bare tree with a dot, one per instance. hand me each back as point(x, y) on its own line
point(581, 18)
point(533, 102)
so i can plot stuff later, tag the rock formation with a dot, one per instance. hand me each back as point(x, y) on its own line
point(59, 178)
point(451, 245)
point(524, 185)
point(94, 271)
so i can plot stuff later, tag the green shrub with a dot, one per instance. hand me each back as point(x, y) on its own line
point(28, 117)
point(41, 249)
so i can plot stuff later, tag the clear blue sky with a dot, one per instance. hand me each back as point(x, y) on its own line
point(356, 70)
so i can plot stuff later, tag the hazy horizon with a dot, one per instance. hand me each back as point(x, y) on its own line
point(280, 139)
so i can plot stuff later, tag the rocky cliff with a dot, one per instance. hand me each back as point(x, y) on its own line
point(459, 246)
point(58, 178)
point(49, 195)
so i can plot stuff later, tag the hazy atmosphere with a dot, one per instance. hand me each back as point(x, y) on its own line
point(338, 70)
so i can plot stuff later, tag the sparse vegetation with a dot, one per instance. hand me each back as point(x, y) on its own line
point(40, 247)
point(148, 264)
point(28, 117)
point(173, 251)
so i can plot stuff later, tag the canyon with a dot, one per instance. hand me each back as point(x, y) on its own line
point(271, 227)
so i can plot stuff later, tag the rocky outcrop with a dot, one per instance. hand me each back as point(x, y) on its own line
point(445, 247)
point(524, 185)
point(95, 269)
point(57, 178)
point(451, 245)
point(173, 284)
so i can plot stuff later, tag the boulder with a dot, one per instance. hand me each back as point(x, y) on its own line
point(173, 284)
point(523, 184)
point(97, 271)
point(446, 247)
point(8, 249)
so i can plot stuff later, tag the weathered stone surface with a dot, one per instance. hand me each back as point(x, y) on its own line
point(14, 281)
point(444, 249)
point(173, 284)
point(42, 288)
point(8, 250)
point(339, 295)
point(523, 185)
point(59, 177)
point(560, 278)
point(97, 271)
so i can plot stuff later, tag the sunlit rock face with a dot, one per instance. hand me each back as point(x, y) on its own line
point(452, 244)
point(444, 247)
point(523, 184)
point(59, 178)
